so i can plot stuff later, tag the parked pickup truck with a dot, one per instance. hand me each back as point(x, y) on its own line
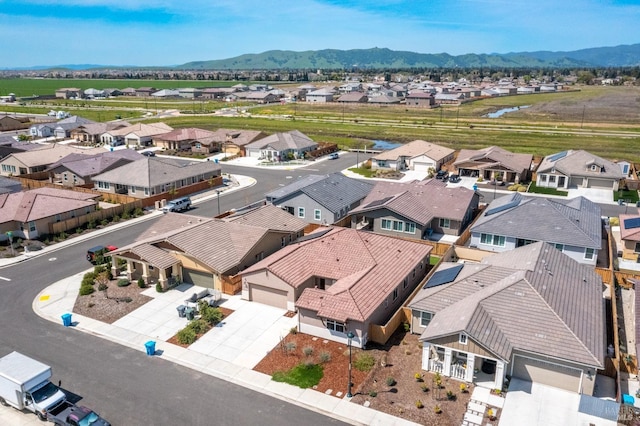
point(68, 414)
point(25, 385)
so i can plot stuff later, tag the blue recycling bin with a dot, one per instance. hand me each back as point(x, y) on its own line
point(628, 399)
point(216, 160)
point(66, 320)
point(150, 346)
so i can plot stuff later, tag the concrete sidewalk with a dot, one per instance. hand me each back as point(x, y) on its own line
point(238, 349)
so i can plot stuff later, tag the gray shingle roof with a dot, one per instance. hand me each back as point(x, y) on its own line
point(493, 157)
point(284, 141)
point(574, 163)
point(549, 304)
point(415, 149)
point(270, 217)
point(572, 222)
point(334, 192)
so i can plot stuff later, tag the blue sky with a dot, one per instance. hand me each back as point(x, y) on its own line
point(167, 32)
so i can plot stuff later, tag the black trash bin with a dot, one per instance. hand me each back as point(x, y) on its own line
point(189, 313)
point(181, 309)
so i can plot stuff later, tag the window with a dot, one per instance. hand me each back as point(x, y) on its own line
point(559, 246)
point(386, 224)
point(64, 177)
point(146, 191)
point(198, 145)
point(32, 226)
point(552, 179)
point(425, 318)
point(335, 326)
point(589, 253)
point(259, 256)
point(133, 189)
point(492, 240)
point(75, 179)
point(445, 223)
point(395, 293)
point(397, 225)
point(462, 339)
point(283, 241)
point(410, 227)
point(637, 249)
point(58, 218)
point(543, 178)
point(301, 212)
point(316, 214)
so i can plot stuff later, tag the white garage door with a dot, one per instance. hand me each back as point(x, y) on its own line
point(600, 183)
point(422, 167)
point(532, 370)
point(269, 296)
point(198, 278)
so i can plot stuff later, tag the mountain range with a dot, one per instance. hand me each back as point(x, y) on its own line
point(382, 58)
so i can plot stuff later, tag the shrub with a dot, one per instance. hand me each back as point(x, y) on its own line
point(373, 394)
point(450, 395)
point(116, 218)
point(98, 269)
point(391, 381)
point(123, 282)
point(419, 404)
point(86, 289)
point(198, 326)
point(290, 346)
point(407, 352)
point(186, 336)
point(364, 362)
point(307, 350)
point(418, 377)
point(141, 283)
point(159, 288)
point(293, 330)
point(463, 388)
point(78, 230)
point(102, 287)
point(104, 222)
point(138, 212)
point(126, 215)
point(211, 315)
point(127, 300)
point(91, 305)
point(424, 388)
point(91, 224)
point(406, 326)
point(89, 278)
point(437, 409)
point(308, 363)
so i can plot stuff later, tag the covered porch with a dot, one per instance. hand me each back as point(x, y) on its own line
point(152, 264)
point(464, 366)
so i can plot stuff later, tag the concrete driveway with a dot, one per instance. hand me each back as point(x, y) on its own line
point(529, 404)
point(242, 339)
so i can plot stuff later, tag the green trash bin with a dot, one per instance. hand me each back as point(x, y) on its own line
point(189, 313)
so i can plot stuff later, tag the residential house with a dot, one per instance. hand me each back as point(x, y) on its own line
point(9, 123)
point(69, 93)
point(206, 252)
point(494, 163)
point(578, 168)
point(630, 236)
point(91, 133)
point(166, 93)
point(419, 155)
point(339, 280)
point(64, 127)
point(415, 210)
point(139, 134)
point(28, 214)
point(573, 226)
point(42, 130)
point(321, 199)
point(151, 175)
point(129, 91)
point(378, 98)
point(420, 99)
point(79, 169)
point(190, 92)
point(37, 160)
point(353, 97)
point(234, 142)
point(449, 98)
point(320, 96)
point(532, 313)
point(9, 145)
point(262, 97)
point(188, 139)
point(145, 91)
point(281, 146)
point(92, 93)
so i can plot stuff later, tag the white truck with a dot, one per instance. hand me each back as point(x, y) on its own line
point(25, 385)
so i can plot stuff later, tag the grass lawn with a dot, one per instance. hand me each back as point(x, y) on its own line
point(629, 196)
point(549, 191)
point(302, 375)
point(363, 172)
point(433, 260)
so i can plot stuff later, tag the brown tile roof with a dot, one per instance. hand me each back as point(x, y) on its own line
point(142, 129)
point(630, 234)
point(533, 298)
point(187, 134)
point(41, 203)
point(415, 149)
point(419, 201)
point(492, 157)
point(366, 268)
point(270, 217)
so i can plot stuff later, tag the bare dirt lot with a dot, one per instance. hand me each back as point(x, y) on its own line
point(110, 305)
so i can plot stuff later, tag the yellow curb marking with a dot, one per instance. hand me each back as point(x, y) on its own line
point(44, 297)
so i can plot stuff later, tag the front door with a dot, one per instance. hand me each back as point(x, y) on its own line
point(561, 181)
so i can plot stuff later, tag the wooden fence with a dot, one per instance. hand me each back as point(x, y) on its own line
point(231, 284)
point(381, 333)
point(606, 274)
point(625, 280)
point(95, 216)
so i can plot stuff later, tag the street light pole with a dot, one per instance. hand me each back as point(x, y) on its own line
point(218, 192)
point(350, 336)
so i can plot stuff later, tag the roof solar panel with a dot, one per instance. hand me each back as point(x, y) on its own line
point(559, 155)
point(444, 277)
point(514, 202)
point(634, 222)
point(313, 235)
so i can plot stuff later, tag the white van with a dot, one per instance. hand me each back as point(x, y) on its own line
point(177, 205)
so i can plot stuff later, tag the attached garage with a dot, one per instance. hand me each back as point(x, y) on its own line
point(268, 296)
point(423, 166)
point(600, 183)
point(199, 278)
point(546, 373)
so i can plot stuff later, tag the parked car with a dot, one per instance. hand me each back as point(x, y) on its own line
point(95, 254)
point(68, 414)
point(454, 179)
point(177, 205)
point(442, 175)
point(149, 153)
point(334, 156)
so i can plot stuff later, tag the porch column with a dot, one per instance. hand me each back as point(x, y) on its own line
point(446, 368)
point(470, 367)
point(162, 279)
point(517, 178)
point(145, 273)
point(499, 375)
point(426, 353)
point(129, 269)
point(114, 266)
